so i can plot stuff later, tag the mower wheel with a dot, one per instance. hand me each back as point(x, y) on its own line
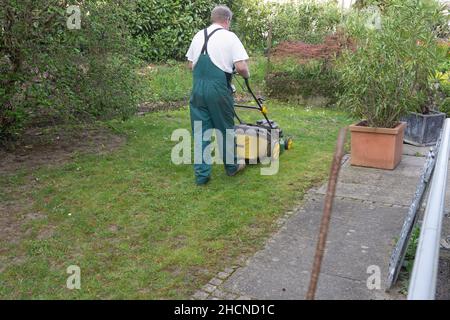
point(276, 150)
point(288, 143)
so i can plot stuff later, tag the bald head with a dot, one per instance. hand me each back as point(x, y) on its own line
point(221, 14)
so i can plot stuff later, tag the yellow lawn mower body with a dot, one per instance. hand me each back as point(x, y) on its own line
point(262, 140)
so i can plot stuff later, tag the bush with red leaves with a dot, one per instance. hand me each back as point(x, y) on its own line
point(332, 46)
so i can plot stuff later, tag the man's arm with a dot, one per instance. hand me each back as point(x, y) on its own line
point(190, 65)
point(242, 68)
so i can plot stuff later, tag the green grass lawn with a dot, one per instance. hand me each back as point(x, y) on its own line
point(173, 81)
point(137, 225)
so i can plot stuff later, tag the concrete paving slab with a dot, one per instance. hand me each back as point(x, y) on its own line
point(369, 243)
point(353, 245)
point(443, 283)
point(369, 211)
point(384, 186)
point(407, 164)
point(306, 222)
point(275, 273)
point(410, 150)
point(331, 287)
point(382, 193)
point(392, 187)
point(446, 227)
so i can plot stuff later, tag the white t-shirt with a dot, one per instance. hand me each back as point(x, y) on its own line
point(224, 48)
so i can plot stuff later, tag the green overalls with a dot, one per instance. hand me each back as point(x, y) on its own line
point(212, 104)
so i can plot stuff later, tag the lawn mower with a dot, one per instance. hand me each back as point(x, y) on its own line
point(265, 139)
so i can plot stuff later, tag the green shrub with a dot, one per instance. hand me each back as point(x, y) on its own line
point(315, 78)
point(445, 106)
point(389, 72)
point(307, 21)
point(444, 91)
point(440, 25)
point(251, 23)
point(53, 73)
point(163, 29)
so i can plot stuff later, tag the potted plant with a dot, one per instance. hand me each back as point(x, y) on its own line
point(379, 80)
point(376, 93)
point(424, 123)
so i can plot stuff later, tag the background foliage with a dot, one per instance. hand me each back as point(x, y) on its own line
point(389, 73)
point(163, 29)
point(50, 72)
point(442, 78)
point(307, 21)
point(294, 81)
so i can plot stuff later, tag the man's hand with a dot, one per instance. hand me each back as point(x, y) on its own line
point(190, 65)
point(242, 69)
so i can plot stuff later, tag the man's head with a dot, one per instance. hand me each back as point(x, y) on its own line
point(222, 15)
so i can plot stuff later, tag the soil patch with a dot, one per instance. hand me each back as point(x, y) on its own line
point(53, 145)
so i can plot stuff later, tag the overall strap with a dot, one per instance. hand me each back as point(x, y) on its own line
point(207, 37)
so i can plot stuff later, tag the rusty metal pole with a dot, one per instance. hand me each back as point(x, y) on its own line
point(324, 225)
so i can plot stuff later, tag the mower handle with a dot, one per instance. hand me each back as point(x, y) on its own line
point(259, 101)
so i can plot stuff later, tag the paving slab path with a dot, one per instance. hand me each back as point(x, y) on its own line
point(369, 210)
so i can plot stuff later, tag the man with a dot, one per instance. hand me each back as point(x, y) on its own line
point(213, 56)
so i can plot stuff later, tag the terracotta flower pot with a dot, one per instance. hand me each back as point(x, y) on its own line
point(377, 147)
